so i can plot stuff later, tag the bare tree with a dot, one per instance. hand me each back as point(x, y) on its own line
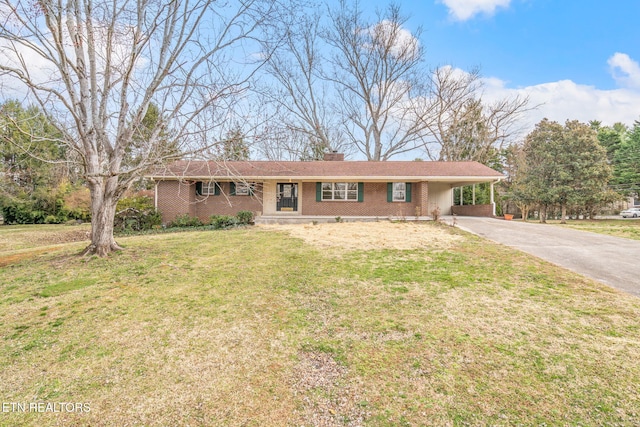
point(462, 126)
point(378, 72)
point(95, 67)
point(296, 66)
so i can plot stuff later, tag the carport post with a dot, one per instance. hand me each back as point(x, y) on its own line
point(493, 203)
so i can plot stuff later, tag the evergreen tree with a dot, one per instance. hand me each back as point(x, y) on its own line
point(563, 166)
point(626, 162)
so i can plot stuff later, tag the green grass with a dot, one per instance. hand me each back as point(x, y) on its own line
point(629, 228)
point(249, 327)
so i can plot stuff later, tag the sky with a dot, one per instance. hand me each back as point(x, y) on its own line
point(576, 59)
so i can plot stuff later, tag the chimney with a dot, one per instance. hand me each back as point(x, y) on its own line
point(333, 156)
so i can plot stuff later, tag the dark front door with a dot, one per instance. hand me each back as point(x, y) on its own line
point(287, 195)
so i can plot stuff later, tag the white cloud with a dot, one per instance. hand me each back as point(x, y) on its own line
point(625, 70)
point(463, 10)
point(566, 100)
point(402, 43)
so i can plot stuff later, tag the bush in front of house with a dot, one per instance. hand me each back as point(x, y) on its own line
point(222, 221)
point(185, 220)
point(132, 219)
point(215, 222)
point(244, 217)
point(136, 213)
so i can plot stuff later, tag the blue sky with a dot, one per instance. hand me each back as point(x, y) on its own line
point(578, 58)
point(535, 41)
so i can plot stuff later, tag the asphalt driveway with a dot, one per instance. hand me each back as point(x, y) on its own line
point(613, 261)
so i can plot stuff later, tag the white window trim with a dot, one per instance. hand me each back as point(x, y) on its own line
point(243, 189)
point(399, 191)
point(209, 188)
point(334, 189)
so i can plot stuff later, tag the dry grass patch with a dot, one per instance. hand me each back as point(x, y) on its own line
point(18, 237)
point(372, 235)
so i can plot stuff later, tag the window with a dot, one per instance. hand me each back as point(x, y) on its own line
point(241, 189)
point(210, 189)
point(347, 191)
point(399, 192)
point(207, 188)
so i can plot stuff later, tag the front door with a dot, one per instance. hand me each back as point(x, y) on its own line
point(287, 197)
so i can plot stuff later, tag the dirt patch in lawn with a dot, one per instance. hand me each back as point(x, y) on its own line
point(18, 243)
point(373, 235)
point(328, 397)
point(63, 237)
point(14, 258)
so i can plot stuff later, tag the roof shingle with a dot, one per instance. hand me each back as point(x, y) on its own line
point(324, 169)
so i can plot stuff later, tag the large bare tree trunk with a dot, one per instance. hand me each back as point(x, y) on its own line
point(102, 240)
point(104, 200)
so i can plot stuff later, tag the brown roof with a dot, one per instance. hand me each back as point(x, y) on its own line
point(357, 170)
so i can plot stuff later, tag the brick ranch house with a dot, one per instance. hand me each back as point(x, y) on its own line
point(320, 190)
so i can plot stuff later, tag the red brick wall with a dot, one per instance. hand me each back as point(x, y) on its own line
point(176, 198)
point(374, 202)
point(473, 210)
point(225, 204)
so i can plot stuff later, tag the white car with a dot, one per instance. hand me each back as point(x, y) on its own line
point(630, 213)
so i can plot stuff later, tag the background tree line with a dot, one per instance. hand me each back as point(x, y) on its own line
point(575, 168)
point(123, 88)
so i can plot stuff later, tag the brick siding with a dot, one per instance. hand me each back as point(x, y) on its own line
point(179, 198)
point(226, 204)
point(374, 202)
point(175, 198)
point(473, 210)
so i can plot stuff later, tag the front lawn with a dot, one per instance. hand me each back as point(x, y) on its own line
point(628, 228)
point(255, 327)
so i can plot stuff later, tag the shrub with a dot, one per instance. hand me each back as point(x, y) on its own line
point(77, 204)
point(435, 213)
point(43, 206)
point(186, 220)
point(132, 219)
point(223, 221)
point(244, 217)
point(51, 219)
point(17, 212)
point(139, 202)
point(136, 213)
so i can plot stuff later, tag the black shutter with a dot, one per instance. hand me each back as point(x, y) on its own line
point(198, 188)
